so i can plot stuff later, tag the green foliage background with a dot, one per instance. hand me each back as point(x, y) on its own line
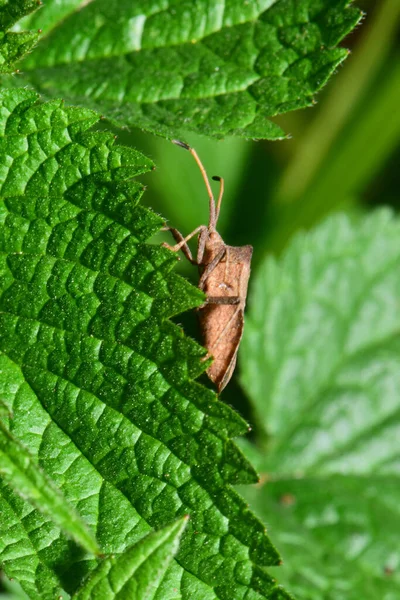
point(342, 155)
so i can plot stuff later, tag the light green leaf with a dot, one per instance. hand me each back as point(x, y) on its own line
point(321, 363)
point(338, 535)
point(137, 573)
point(19, 470)
point(99, 381)
point(215, 68)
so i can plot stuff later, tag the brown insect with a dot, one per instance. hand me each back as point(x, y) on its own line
point(224, 276)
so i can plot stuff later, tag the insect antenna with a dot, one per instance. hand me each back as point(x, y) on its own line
point(213, 213)
point(221, 193)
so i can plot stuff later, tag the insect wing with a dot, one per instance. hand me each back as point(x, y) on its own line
point(222, 327)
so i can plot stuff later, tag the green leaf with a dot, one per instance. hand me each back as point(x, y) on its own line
point(137, 572)
point(99, 381)
point(218, 69)
point(13, 45)
point(320, 360)
point(19, 470)
point(11, 11)
point(49, 15)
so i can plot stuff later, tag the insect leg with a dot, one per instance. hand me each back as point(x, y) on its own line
point(232, 300)
point(201, 246)
point(221, 193)
point(182, 242)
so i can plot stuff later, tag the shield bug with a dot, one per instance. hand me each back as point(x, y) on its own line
point(224, 276)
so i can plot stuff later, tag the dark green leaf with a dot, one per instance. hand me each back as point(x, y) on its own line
point(11, 11)
point(98, 379)
point(219, 69)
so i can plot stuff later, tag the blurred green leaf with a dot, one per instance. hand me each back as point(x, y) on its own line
point(11, 590)
point(338, 535)
point(320, 362)
point(212, 68)
point(138, 572)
